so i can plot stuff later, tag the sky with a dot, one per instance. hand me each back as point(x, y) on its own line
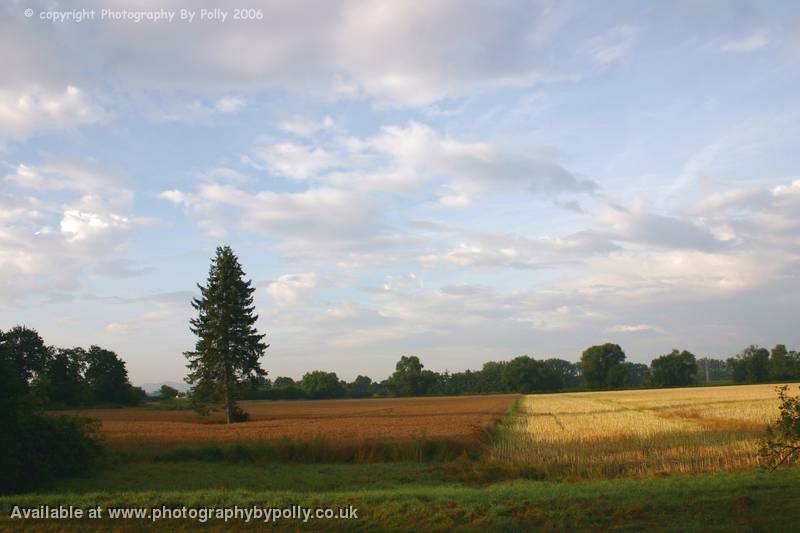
point(459, 180)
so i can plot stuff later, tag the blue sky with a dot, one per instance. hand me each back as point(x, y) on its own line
point(462, 181)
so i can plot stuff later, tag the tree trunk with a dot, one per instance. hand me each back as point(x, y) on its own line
point(227, 394)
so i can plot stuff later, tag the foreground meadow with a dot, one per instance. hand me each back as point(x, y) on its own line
point(617, 433)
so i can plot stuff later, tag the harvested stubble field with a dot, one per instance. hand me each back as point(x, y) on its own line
point(384, 419)
point(609, 434)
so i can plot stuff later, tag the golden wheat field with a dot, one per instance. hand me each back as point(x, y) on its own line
point(607, 434)
point(386, 419)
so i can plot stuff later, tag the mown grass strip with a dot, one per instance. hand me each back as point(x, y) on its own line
point(741, 501)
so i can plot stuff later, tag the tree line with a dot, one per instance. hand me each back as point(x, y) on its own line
point(66, 377)
point(602, 367)
point(77, 377)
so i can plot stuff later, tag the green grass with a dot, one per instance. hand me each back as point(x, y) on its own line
point(421, 450)
point(196, 475)
point(399, 497)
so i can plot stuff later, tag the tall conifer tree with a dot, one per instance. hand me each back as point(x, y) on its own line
point(228, 345)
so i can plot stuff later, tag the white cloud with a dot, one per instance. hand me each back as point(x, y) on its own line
point(396, 283)
point(396, 53)
point(755, 41)
point(229, 104)
point(631, 328)
point(291, 288)
point(399, 159)
point(82, 227)
point(637, 225)
point(30, 111)
point(175, 196)
point(296, 161)
point(71, 177)
point(82, 221)
point(305, 127)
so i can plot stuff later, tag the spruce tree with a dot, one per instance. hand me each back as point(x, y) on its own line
point(228, 345)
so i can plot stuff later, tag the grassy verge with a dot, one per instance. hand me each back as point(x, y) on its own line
point(197, 475)
point(741, 501)
point(308, 452)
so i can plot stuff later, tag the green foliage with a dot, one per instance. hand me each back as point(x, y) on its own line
point(283, 381)
point(750, 366)
point(62, 383)
point(46, 447)
point(360, 387)
point(228, 346)
point(522, 374)
point(602, 367)
point(782, 444)
point(710, 370)
point(106, 378)
point(27, 351)
point(319, 384)
point(37, 447)
point(167, 393)
point(491, 377)
point(675, 369)
point(409, 378)
point(560, 374)
point(783, 364)
point(635, 374)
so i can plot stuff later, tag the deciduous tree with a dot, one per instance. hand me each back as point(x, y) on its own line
point(602, 366)
point(675, 369)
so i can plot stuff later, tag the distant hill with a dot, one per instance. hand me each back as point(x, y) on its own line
point(150, 388)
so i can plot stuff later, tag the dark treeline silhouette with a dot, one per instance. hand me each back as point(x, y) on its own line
point(67, 377)
point(602, 367)
point(76, 377)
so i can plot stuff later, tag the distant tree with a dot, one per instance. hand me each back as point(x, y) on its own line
point(750, 366)
point(319, 384)
point(62, 383)
point(283, 381)
point(228, 346)
point(522, 374)
point(360, 386)
point(794, 364)
point(558, 374)
point(28, 354)
point(139, 395)
point(106, 378)
point(675, 369)
point(636, 374)
point(602, 367)
point(167, 393)
point(409, 378)
point(782, 443)
point(490, 378)
point(709, 370)
point(781, 364)
point(468, 382)
point(379, 388)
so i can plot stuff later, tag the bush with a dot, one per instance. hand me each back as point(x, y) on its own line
point(42, 447)
point(782, 443)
